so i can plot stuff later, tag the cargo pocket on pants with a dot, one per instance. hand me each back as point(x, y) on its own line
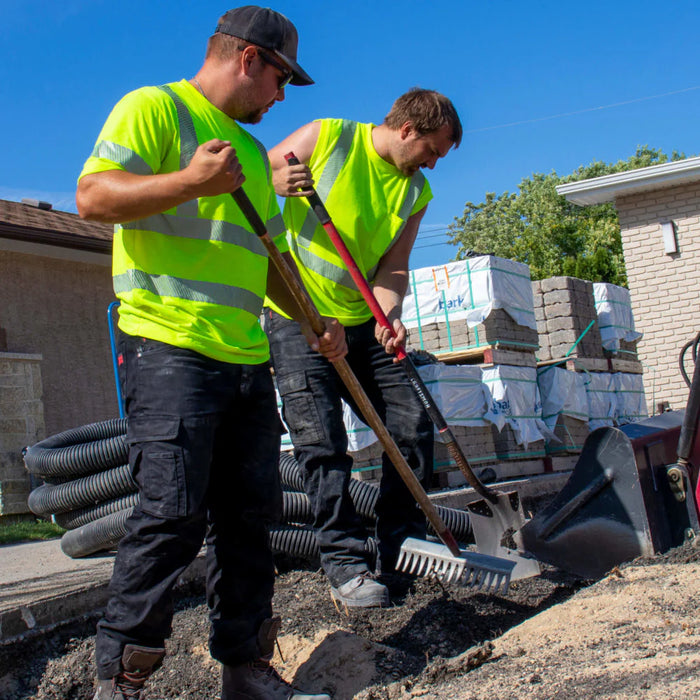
point(158, 465)
point(299, 409)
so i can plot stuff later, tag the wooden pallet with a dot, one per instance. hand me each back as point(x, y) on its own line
point(488, 355)
point(595, 364)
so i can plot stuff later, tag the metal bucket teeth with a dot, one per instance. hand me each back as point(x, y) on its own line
point(470, 569)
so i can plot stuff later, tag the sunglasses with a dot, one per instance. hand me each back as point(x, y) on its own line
point(285, 79)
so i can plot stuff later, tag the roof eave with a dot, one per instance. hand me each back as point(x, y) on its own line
point(608, 188)
point(54, 238)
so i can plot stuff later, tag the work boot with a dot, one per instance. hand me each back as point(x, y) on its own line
point(258, 680)
point(138, 663)
point(362, 591)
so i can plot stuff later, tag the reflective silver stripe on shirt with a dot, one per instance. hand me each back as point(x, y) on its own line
point(415, 188)
point(263, 153)
point(188, 145)
point(322, 267)
point(328, 177)
point(276, 226)
point(198, 229)
point(128, 159)
point(191, 290)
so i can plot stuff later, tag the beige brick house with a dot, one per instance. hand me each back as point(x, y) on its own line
point(55, 359)
point(659, 210)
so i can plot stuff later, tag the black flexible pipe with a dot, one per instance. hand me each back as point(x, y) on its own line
point(97, 506)
point(83, 516)
point(364, 494)
point(296, 507)
point(85, 450)
point(100, 535)
point(301, 542)
point(290, 474)
point(86, 491)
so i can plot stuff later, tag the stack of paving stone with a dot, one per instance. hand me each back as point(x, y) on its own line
point(571, 432)
point(497, 329)
point(508, 448)
point(476, 442)
point(627, 351)
point(564, 310)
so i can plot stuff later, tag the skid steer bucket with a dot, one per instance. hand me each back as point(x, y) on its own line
point(618, 503)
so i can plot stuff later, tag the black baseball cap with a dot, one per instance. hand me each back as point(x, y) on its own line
point(268, 29)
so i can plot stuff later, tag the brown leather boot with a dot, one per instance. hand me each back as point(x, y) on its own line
point(138, 663)
point(258, 680)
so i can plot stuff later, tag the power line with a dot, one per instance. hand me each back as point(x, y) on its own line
point(438, 234)
point(582, 111)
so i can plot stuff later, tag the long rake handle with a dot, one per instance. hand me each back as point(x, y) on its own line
point(346, 374)
point(414, 377)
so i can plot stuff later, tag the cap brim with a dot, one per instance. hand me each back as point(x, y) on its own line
point(299, 75)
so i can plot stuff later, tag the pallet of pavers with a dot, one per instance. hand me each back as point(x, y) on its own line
point(492, 413)
point(617, 330)
point(567, 321)
point(462, 309)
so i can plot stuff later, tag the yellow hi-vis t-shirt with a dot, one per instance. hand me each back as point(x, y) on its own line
point(194, 276)
point(369, 201)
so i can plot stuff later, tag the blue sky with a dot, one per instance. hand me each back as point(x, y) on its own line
point(540, 86)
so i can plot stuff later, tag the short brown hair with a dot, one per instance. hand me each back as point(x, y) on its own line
point(427, 110)
point(224, 47)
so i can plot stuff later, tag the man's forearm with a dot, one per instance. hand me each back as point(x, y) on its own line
point(116, 196)
point(389, 290)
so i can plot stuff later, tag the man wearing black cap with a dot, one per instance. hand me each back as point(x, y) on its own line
point(203, 429)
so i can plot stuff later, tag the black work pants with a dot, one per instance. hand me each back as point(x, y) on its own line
point(203, 442)
point(311, 392)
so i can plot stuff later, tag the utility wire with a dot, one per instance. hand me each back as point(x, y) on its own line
point(582, 111)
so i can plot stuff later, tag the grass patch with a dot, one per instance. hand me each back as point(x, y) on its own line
point(28, 531)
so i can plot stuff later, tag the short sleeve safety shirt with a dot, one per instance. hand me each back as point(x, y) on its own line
point(194, 276)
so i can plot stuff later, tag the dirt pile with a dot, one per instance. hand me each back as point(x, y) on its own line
point(635, 634)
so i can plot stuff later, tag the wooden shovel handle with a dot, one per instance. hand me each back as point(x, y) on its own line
point(346, 374)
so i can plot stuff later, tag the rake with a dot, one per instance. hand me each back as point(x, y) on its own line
point(497, 516)
point(447, 562)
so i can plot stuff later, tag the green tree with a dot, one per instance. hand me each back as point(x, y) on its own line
point(554, 237)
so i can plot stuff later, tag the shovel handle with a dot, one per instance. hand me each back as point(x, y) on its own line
point(413, 375)
point(346, 374)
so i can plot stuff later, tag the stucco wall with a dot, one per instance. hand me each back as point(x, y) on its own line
point(58, 309)
point(665, 289)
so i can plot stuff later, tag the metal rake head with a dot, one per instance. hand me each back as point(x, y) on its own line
point(470, 569)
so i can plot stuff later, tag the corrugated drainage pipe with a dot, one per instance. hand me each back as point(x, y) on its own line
point(85, 491)
point(85, 450)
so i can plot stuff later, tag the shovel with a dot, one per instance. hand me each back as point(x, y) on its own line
point(497, 516)
point(447, 562)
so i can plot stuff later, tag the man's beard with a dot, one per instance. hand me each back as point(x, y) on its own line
point(251, 117)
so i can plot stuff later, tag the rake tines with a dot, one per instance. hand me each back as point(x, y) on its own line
point(470, 569)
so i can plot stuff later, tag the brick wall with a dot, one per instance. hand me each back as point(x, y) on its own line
point(665, 289)
point(21, 424)
point(57, 308)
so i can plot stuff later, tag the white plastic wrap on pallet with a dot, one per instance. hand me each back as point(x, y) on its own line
point(630, 402)
point(359, 434)
point(469, 289)
point(459, 393)
point(562, 392)
point(286, 440)
point(615, 318)
point(456, 390)
point(514, 399)
point(600, 387)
